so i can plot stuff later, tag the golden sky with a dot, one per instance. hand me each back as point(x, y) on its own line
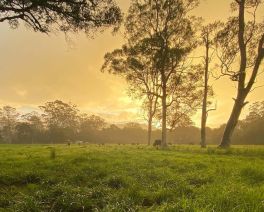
point(35, 68)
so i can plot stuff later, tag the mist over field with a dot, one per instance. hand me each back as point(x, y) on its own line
point(62, 123)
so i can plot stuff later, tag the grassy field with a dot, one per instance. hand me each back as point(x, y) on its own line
point(130, 178)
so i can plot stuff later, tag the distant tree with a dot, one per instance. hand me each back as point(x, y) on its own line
point(91, 127)
point(113, 127)
point(64, 15)
point(36, 125)
point(133, 132)
point(241, 41)
point(24, 133)
point(250, 129)
point(91, 122)
point(256, 112)
point(61, 119)
point(132, 125)
point(8, 119)
point(112, 134)
point(184, 135)
point(34, 119)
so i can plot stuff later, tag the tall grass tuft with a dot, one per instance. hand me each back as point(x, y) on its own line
point(52, 153)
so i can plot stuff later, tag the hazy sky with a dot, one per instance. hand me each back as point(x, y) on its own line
point(35, 68)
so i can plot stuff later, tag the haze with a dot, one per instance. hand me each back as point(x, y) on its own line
point(52, 67)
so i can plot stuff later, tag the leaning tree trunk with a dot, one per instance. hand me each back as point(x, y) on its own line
point(232, 122)
point(243, 90)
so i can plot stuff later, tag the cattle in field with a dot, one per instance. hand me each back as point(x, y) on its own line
point(157, 142)
point(79, 142)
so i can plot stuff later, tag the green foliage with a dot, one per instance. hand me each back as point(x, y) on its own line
point(131, 178)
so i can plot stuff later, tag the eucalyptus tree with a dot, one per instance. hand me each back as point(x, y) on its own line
point(241, 52)
point(61, 119)
point(64, 15)
point(136, 68)
point(166, 33)
point(208, 34)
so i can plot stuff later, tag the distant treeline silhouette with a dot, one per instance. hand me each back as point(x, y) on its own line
point(62, 122)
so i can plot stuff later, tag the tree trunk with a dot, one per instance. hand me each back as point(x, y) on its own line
point(164, 118)
point(204, 107)
point(149, 129)
point(232, 122)
point(203, 128)
point(242, 89)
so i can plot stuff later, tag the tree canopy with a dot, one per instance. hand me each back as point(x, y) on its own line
point(159, 37)
point(63, 15)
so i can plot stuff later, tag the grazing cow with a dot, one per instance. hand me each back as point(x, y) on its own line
point(69, 142)
point(157, 142)
point(79, 142)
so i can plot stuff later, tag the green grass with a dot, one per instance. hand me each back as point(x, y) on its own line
point(130, 178)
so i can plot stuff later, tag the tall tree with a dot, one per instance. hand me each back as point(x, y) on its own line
point(136, 68)
point(206, 41)
point(207, 35)
point(241, 41)
point(64, 15)
point(165, 32)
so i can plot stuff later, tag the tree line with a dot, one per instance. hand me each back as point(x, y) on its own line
point(60, 122)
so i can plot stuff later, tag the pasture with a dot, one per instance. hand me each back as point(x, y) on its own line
point(130, 178)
